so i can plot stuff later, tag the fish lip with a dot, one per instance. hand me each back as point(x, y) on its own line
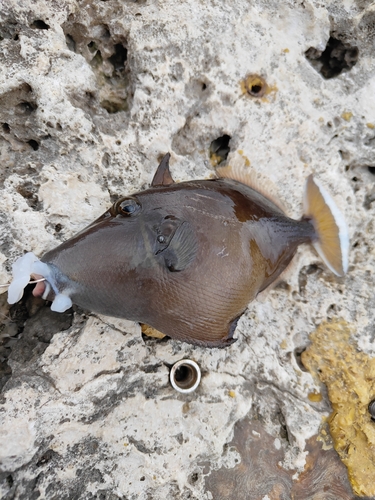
point(57, 287)
point(43, 289)
point(55, 282)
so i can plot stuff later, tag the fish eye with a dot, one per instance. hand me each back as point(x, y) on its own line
point(128, 207)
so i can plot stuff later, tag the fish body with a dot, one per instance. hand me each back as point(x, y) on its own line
point(184, 258)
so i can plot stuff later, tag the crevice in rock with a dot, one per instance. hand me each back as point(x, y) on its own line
point(303, 276)
point(39, 25)
point(9, 30)
point(118, 59)
point(219, 149)
point(29, 191)
point(297, 354)
point(28, 332)
point(107, 56)
point(336, 57)
point(33, 144)
point(20, 125)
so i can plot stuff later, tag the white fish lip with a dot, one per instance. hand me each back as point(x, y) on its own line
point(55, 287)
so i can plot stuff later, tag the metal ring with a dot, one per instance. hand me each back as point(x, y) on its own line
point(185, 376)
point(371, 409)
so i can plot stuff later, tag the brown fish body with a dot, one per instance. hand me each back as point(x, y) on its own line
point(183, 258)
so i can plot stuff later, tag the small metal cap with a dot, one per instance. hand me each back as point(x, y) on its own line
point(371, 409)
point(185, 376)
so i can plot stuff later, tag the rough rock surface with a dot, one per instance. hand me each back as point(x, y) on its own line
point(92, 93)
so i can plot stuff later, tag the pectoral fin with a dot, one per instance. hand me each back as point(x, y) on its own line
point(182, 249)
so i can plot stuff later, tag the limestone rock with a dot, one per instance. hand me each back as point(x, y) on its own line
point(92, 93)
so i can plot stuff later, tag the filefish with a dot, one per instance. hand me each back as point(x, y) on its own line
point(185, 258)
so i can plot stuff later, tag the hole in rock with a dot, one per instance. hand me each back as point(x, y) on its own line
point(154, 340)
point(106, 160)
point(114, 106)
point(371, 409)
point(9, 30)
point(92, 47)
point(369, 199)
point(371, 170)
point(46, 457)
point(336, 57)
point(28, 191)
point(71, 44)
point(118, 59)
point(219, 149)
point(6, 128)
point(33, 144)
point(26, 107)
point(255, 85)
point(106, 32)
point(297, 354)
point(193, 478)
point(39, 25)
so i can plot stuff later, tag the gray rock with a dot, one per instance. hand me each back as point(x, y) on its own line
point(92, 93)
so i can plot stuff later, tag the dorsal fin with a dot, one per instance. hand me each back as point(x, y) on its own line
point(239, 173)
point(162, 175)
point(253, 179)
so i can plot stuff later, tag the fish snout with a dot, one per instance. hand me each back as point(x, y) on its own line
point(56, 287)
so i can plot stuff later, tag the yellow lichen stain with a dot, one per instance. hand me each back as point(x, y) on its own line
point(315, 397)
point(347, 116)
point(231, 394)
point(247, 161)
point(370, 125)
point(284, 344)
point(257, 87)
point(215, 159)
point(286, 51)
point(350, 379)
point(151, 332)
point(324, 437)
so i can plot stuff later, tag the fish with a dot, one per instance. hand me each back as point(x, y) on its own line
point(187, 258)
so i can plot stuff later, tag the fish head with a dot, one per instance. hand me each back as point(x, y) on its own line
point(122, 254)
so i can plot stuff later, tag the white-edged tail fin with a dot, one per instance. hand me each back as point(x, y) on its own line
point(332, 243)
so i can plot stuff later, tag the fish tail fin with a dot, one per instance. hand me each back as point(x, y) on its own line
point(332, 239)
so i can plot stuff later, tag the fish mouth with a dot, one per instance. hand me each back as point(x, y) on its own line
point(43, 289)
point(55, 286)
point(51, 289)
